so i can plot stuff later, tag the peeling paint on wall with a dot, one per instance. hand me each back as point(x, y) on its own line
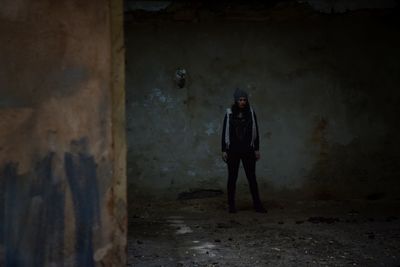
point(210, 128)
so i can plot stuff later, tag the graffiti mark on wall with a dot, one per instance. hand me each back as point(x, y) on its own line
point(32, 208)
point(80, 168)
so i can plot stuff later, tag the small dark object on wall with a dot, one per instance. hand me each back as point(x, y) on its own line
point(180, 77)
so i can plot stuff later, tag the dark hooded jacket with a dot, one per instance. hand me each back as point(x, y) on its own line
point(240, 131)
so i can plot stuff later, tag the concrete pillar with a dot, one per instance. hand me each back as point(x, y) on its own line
point(62, 144)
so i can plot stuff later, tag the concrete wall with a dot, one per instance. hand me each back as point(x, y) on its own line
point(60, 200)
point(325, 88)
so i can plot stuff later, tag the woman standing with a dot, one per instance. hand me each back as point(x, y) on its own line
point(240, 142)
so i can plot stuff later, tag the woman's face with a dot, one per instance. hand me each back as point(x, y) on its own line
point(242, 102)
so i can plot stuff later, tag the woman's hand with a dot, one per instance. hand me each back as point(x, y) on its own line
point(225, 156)
point(257, 154)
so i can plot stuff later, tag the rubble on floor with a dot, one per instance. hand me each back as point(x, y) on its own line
point(200, 232)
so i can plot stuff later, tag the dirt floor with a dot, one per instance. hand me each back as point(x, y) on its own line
point(200, 232)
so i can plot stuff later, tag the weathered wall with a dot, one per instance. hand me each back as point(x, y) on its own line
point(325, 88)
point(58, 197)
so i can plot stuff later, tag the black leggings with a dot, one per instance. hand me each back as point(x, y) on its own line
point(249, 164)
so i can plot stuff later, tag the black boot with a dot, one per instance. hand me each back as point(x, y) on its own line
point(232, 209)
point(259, 208)
point(231, 200)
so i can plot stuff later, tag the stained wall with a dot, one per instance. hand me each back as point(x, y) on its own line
point(324, 87)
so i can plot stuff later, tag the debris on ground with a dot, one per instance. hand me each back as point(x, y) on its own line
point(327, 220)
point(199, 194)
